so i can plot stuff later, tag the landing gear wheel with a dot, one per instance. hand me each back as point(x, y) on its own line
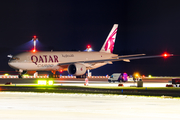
point(20, 76)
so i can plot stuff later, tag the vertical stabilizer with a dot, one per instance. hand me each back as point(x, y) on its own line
point(108, 46)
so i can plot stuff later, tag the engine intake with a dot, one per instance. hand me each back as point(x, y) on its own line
point(76, 69)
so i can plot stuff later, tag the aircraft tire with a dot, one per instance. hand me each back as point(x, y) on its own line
point(20, 76)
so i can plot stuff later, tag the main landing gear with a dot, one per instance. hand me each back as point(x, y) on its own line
point(54, 74)
point(21, 72)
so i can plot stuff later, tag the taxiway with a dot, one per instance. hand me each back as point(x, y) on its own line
point(48, 106)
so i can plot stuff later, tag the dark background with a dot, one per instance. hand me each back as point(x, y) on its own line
point(145, 26)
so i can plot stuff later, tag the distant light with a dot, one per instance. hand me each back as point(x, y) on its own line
point(6, 74)
point(61, 71)
point(34, 37)
point(143, 76)
point(150, 76)
point(137, 75)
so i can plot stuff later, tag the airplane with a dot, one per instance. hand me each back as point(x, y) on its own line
point(75, 62)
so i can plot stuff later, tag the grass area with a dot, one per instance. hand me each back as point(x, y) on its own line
point(140, 91)
point(95, 87)
point(137, 88)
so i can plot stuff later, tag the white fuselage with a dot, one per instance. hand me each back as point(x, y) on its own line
point(57, 60)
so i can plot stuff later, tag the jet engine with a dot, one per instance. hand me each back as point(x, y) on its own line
point(76, 69)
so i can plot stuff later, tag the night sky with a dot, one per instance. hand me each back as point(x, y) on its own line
point(145, 26)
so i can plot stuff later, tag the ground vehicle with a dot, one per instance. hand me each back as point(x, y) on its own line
point(118, 77)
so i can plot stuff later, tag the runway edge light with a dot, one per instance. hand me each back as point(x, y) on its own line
point(50, 82)
point(42, 82)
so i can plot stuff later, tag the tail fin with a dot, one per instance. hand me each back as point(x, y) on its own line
point(110, 40)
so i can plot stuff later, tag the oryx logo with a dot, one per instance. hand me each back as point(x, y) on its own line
point(110, 42)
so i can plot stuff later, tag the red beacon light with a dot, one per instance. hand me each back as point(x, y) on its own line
point(88, 49)
point(88, 46)
point(34, 50)
point(34, 38)
point(61, 71)
point(165, 54)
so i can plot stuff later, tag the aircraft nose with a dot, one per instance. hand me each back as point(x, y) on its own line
point(11, 64)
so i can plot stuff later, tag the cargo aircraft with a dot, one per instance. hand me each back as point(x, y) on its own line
point(75, 62)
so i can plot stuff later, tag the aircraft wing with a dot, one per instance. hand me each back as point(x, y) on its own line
point(125, 58)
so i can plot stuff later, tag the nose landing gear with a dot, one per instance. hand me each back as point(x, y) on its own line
point(21, 72)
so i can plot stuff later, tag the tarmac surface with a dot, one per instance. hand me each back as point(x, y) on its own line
point(158, 82)
point(48, 106)
point(53, 106)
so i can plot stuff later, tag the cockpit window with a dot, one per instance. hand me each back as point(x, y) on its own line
point(14, 58)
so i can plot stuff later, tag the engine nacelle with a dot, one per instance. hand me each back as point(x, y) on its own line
point(76, 69)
